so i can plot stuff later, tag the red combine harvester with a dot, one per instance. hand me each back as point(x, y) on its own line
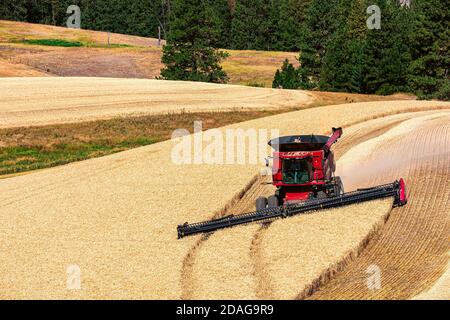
point(303, 169)
point(303, 172)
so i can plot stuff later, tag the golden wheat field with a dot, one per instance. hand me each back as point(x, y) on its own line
point(412, 249)
point(280, 260)
point(440, 290)
point(40, 101)
point(115, 218)
point(276, 253)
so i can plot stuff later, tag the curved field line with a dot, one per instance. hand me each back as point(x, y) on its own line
point(357, 137)
point(246, 204)
point(412, 250)
point(265, 283)
point(119, 223)
point(187, 269)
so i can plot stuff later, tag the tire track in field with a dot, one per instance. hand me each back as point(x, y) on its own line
point(245, 202)
point(260, 187)
point(264, 283)
point(239, 204)
point(347, 142)
point(412, 249)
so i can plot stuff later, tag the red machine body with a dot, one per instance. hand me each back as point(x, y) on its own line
point(303, 172)
point(321, 168)
point(303, 169)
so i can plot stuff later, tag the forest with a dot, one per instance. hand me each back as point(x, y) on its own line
point(406, 51)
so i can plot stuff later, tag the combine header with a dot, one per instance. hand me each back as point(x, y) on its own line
point(303, 172)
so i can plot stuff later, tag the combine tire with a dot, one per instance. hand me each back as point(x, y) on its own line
point(338, 187)
point(273, 202)
point(261, 203)
point(321, 195)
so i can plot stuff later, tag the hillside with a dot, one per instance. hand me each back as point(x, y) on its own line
point(114, 219)
point(51, 121)
point(126, 57)
point(68, 100)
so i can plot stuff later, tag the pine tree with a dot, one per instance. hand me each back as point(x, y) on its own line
point(357, 21)
point(140, 19)
point(288, 20)
point(13, 10)
point(191, 52)
point(387, 52)
point(343, 64)
point(370, 61)
point(277, 80)
point(287, 77)
point(222, 12)
point(428, 74)
point(160, 12)
point(252, 25)
point(320, 24)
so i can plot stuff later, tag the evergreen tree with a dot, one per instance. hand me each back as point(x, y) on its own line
point(251, 26)
point(370, 61)
point(277, 80)
point(160, 12)
point(428, 74)
point(338, 52)
point(344, 61)
point(137, 19)
point(387, 51)
point(320, 24)
point(288, 20)
point(191, 51)
point(222, 12)
point(13, 10)
point(287, 77)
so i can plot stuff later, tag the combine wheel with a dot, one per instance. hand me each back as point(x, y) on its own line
point(321, 195)
point(338, 187)
point(261, 203)
point(273, 202)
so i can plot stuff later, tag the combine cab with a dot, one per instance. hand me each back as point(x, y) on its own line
point(303, 173)
point(303, 169)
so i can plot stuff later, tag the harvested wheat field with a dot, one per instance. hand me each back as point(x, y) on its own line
point(254, 263)
point(275, 253)
point(412, 249)
point(139, 63)
point(440, 290)
point(41, 101)
point(114, 218)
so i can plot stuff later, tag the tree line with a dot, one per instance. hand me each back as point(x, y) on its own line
point(132, 17)
point(241, 24)
point(408, 52)
point(338, 52)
